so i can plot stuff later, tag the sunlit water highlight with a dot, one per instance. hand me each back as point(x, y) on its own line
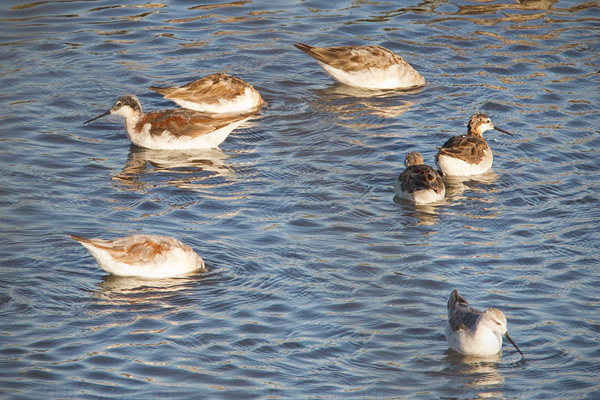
point(320, 283)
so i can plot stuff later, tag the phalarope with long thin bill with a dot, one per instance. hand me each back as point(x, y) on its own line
point(469, 154)
point(419, 183)
point(216, 93)
point(473, 332)
point(369, 67)
point(146, 256)
point(173, 129)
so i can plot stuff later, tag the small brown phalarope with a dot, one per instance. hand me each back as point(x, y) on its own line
point(419, 183)
point(173, 129)
point(473, 332)
point(216, 93)
point(146, 256)
point(369, 67)
point(469, 154)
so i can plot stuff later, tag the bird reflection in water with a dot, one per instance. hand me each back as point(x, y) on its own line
point(350, 102)
point(184, 169)
point(423, 214)
point(457, 185)
point(135, 289)
point(457, 189)
point(476, 373)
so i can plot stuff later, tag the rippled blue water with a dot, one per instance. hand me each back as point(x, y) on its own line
point(320, 285)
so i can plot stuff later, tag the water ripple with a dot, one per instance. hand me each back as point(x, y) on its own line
point(320, 283)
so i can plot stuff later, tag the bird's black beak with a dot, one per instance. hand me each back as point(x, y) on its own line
point(514, 344)
point(503, 131)
point(95, 118)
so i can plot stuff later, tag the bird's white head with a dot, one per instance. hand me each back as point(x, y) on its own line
point(496, 322)
point(127, 106)
point(480, 123)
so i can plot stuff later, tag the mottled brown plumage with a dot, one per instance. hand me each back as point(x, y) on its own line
point(469, 148)
point(181, 123)
point(353, 58)
point(371, 66)
point(420, 177)
point(419, 182)
point(174, 129)
point(469, 154)
point(215, 93)
point(151, 256)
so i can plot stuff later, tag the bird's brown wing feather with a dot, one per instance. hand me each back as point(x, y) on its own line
point(209, 89)
point(469, 148)
point(420, 177)
point(187, 122)
point(353, 58)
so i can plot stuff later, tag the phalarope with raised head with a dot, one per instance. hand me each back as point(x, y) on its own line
point(146, 256)
point(473, 332)
point(469, 154)
point(216, 93)
point(419, 183)
point(369, 67)
point(173, 129)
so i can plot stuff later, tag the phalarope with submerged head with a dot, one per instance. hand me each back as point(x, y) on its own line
point(469, 154)
point(419, 183)
point(216, 93)
point(145, 256)
point(473, 332)
point(368, 67)
point(173, 129)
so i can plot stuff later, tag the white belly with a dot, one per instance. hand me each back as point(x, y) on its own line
point(166, 141)
point(455, 167)
point(377, 78)
point(483, 343)
point(249, 100)
point(424, 196)
point(173, 263)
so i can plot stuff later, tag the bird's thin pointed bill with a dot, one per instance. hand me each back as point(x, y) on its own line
point(95, 118)
point(514, 344)
point(503, 131)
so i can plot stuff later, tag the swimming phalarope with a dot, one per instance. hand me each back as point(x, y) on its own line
point(215, 93)
point(469, 154)
point(369, 67)
point(419, 183)
point(473, 332)
point(146, 256)
point(173, 129)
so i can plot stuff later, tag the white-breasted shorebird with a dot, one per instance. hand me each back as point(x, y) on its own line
point(216, 93)
point(419, 183)
point(369, 67)
point(145, 256)
point(473, 332)
point(469, 154)
point(173, 129)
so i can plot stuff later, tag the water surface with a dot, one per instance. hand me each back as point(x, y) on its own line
point(320, 283)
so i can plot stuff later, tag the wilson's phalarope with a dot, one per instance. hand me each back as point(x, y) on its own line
point(146, 256)
point(469, 154)
point(215, 93)
point(473, 332)
point(419, 183)
point(173, 129)
point(369, 67)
